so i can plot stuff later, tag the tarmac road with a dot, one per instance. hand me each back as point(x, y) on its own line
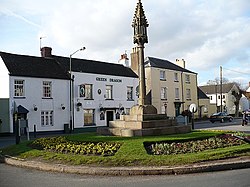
point(13, 176)
point(235, 125)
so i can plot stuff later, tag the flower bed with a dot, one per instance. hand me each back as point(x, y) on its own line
point(172, 148)
point(62, 145)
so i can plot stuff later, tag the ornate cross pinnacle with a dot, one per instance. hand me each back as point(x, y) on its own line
point(140, 25)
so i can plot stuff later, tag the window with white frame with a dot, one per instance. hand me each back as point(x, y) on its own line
point(129, 93)
point(163, 93)
point(162, 75)
point(47, 88)
point(88, 91)
point(187, 78)
point(176, 78)
point(19, 88)
point(109, 92)
point(89, 117)
point(177, 94)
point(47, 118)
point(188, 94)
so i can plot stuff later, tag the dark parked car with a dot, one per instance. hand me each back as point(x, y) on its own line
point(221, 117)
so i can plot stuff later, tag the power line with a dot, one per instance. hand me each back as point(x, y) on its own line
point(236, 71)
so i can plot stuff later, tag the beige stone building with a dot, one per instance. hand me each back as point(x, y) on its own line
point(205, 109)
point(170, 87)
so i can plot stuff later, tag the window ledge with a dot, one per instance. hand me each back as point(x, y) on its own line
point(23, 97)
point(88, 99)
point(47, 98)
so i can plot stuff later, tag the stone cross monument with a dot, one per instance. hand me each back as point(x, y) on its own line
point(140, 25)
point(143, 119)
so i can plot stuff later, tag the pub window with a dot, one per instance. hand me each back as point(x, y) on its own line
point(89, 116)
point(129, 93)
point(19, 88)
point(47, 87)
point(88, 91)
point(46, 118)
point(109, 92)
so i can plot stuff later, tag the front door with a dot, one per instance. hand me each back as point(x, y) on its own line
point(110, 117)
point(177, 109)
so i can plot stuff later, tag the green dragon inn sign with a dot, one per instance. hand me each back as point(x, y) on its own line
point(110, 80)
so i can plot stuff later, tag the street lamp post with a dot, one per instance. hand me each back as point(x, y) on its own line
point(71, 95)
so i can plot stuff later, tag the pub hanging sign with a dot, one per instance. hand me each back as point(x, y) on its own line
point(82, 90)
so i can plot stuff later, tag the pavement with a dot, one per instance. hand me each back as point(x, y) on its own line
point(209, 166)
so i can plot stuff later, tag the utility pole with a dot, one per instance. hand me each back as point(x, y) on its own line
point(221, 88)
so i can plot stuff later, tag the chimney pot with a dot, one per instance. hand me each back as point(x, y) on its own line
point(46, 52)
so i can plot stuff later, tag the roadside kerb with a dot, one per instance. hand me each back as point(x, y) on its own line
point(219, 165)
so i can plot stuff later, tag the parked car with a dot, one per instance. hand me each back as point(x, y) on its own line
point(221, 117)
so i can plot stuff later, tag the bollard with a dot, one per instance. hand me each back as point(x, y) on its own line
point(18, 138)
point(34, 131)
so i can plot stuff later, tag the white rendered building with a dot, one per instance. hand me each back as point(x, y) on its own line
point(40, 87)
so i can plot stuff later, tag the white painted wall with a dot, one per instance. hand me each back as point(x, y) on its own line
point(119, 96)
point(33, 96)
point(4, 83)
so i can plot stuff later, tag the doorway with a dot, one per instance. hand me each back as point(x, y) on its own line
point(110, 117)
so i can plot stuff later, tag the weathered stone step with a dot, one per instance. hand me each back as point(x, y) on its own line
point(141, 124)
point(144, 117)
point(144, 132)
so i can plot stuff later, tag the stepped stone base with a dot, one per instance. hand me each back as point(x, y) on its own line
point(143, 121)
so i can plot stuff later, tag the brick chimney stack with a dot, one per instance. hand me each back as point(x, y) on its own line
point(46, 51)
point(124, 60)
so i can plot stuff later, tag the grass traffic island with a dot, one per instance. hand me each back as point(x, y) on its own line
point(168, 150)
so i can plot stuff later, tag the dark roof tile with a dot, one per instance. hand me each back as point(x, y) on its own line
point(97, 67)
point(212, 89)
point(165, 64)
point(30, 66)
point(201, 94)
point(58, 67)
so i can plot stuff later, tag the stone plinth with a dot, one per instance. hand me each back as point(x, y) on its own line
point(143, 121)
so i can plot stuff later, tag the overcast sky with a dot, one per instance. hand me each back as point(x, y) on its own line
point(206, 33)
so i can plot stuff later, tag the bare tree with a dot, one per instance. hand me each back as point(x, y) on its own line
point(216, 81)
